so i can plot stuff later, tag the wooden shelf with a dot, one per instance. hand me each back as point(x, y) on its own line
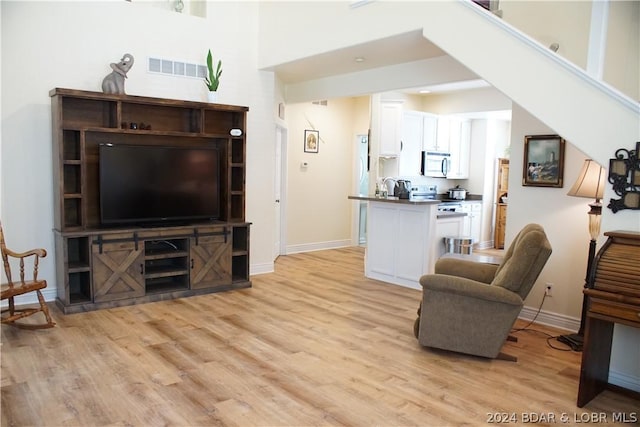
point(128, 263)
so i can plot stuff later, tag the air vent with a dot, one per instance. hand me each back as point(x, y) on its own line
point(359, 3)
point(323, 102)
point(172, 67)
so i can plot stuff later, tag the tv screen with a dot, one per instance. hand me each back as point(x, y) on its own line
point(151, 184)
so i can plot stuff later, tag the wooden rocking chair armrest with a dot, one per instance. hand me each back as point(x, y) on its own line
point(41, 253)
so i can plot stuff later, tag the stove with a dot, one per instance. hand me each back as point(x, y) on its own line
point(424, 192)
point(450, 205)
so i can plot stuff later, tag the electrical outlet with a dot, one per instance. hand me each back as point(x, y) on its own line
point(547, 290)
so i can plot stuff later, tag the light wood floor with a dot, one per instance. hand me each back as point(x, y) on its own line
point(314, 343)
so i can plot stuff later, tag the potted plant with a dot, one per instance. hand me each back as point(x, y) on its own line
point(213, 80)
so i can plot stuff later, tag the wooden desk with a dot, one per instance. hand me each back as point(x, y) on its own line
point(613, 297)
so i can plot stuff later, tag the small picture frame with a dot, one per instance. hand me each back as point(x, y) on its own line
point(543, 161)
point(311, 141)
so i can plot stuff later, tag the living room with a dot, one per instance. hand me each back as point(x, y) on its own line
point(71, 47)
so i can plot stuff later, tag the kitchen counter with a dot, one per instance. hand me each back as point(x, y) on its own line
point(402, 240)
point(393, 199)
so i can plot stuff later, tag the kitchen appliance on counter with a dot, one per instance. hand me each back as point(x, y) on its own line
point(402, 189)
point(457, 193)
point(435, 164)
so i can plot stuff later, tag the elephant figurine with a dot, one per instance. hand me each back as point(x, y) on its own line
point(113, 83)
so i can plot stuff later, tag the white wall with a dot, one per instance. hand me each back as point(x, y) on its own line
point(558, 15)
point(70, 45)
point(468, 101)
point(623, 36)
point(318, 211)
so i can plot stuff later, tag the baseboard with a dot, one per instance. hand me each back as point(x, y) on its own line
point(548, 318)
point(483, 245)
point(318, 246)
point(624, 380)
point(262, 268)
point(49, 294)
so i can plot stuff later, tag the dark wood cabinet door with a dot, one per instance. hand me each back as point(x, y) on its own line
point(118, 270)
point(210, 261)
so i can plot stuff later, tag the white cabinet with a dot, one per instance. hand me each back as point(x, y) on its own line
point(390, 128)
point(419, 132)
point(400, 245)
point(411, 147)
point(472, 223)
point(443, 132)
point(426, 132)
point(430, 132)
point(459, 147)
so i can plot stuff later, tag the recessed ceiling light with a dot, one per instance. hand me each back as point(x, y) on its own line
point(425, 91)
point(359, 59)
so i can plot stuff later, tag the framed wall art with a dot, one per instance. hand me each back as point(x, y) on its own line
point(543, 161)
point(311, 141)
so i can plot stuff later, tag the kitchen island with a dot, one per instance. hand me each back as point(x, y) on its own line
point(404, 239)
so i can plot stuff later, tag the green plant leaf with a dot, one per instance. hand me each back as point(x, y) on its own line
point(213, 80)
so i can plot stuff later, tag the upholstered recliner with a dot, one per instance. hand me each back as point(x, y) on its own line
point(470, 307)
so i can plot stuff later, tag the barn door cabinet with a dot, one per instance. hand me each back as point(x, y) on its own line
point(99, 267)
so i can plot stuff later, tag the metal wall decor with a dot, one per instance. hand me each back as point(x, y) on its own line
point(624, 175)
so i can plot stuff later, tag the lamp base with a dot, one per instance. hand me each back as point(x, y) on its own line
point(574, 341)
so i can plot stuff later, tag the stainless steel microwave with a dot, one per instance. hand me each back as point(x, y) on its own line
point(435, 164)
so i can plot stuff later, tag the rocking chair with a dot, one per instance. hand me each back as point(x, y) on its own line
point(9, 290)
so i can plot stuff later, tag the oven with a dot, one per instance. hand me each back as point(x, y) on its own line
point(449, 206)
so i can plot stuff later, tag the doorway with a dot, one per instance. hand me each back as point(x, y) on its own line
point(279, 191)
point(362, 169)
point(502, 193)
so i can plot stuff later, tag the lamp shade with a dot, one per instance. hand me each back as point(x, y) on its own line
point(590, 182)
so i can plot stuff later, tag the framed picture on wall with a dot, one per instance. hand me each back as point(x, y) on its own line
point(543, 161)
point(311, 141)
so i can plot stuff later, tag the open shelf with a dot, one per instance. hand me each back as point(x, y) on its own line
point(161, 118)
point(240, 268)
point(72, 211)
point(240, 253)
point(79, 287)
point(82, 112)
point(166, 284)
point(166, 264)
point(71, 145)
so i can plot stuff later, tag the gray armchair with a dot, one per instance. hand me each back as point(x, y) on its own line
point(470, 307)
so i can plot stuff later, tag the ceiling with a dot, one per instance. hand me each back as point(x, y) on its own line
point(398, 49)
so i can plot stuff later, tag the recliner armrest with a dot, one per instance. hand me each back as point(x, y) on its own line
point(478, 271)
point(461, 286)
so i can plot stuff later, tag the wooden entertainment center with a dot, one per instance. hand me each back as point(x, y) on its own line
point(101, 267)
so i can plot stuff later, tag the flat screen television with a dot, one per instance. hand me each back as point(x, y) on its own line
point(151, 184)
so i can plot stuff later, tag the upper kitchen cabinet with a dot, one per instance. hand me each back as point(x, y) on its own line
point(459, 148)
point(390, 128)
point(419, 133)
point(411, 147)
point(430, 133)
point(443, 133)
